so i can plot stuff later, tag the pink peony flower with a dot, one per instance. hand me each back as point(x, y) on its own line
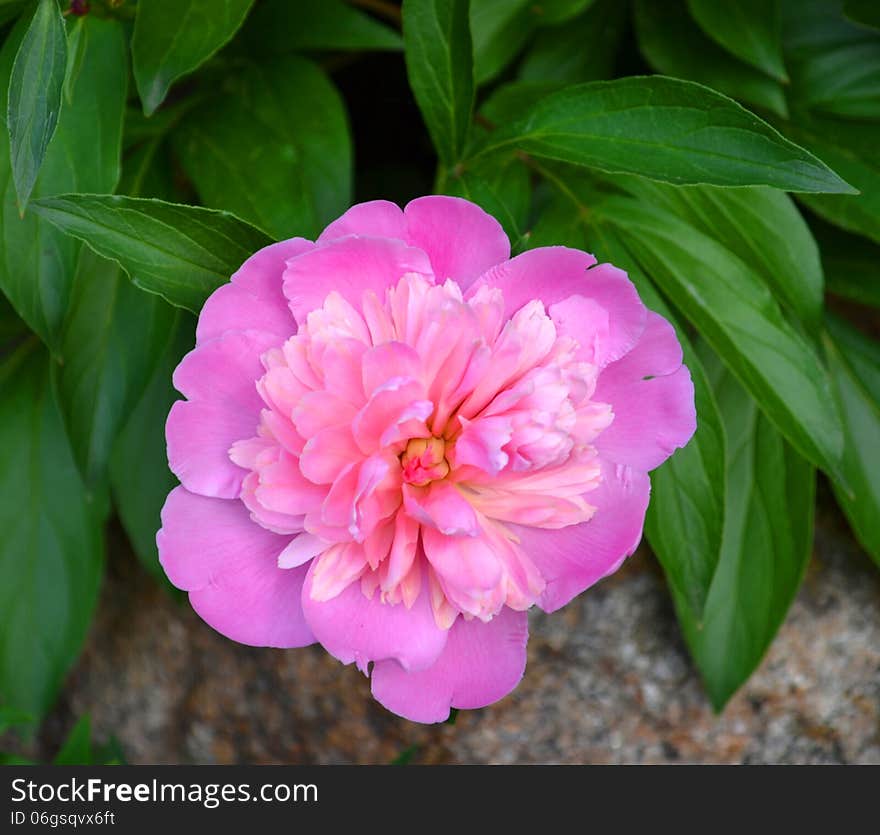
point(397, 439)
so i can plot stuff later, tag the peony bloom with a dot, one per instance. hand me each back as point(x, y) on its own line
point(397, 439)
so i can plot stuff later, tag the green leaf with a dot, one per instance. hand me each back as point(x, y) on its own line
point(14, 759)
point(77, 748)
point(500, 29)
point(855, 368)
point(665, 129)
point(851, 149)
point(439, 63)
point(112, 340)
point(182, 253)
point(289, 176)
point(35, 90)
point(10, 9)
point(509, 101)
point(559, 11)
point(12, 718)
point(174, 37)
point(663, 28)
point(37, 262)
point(738, 317)
point(768, 531)
point(51, 554)
point(851, 263)
point(77, 41)
point(866, 12)
point(578, 50)
point(278, 27)
point(12, 328)
point(502, 189)
point(686, 515)
point(748, 29)
point(761, 225)
point(140, 449)
point(835, 64)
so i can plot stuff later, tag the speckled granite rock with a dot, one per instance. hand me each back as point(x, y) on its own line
point(608, 680)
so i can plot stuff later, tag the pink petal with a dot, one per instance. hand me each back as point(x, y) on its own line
point(199, 437)
point(254, 299)
point(351, 266)
point(232, 308)
point(395, 412)
point(225, 369)
point(210, 548)
point(572, 559)
point(482, 662)
point(481, 443)
point(284, 489)
point(377, 218)
point(461, 240)
point(328, 453)
point(652, 397)
point(553, 274)
point(337, 568)
point(224, 407)
point(354, 628)
point(441, 505)
point(301, 549)
point(263, 273)
point(389, 360)
point(469, 568)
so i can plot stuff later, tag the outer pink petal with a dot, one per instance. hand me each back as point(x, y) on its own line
point(228, 564)
point(461, 240)
point(376, 218)
point(652, 396)
point(253, 300)
point(262, 274)
point(553, 274)
point(354, 628)
point(482, 662)
point(351, 266)
point(572, 559)
point(219, 377)
point(226, 369)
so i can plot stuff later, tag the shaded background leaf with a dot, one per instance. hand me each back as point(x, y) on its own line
point(140, 448)
point(114, 336)
point(855, 368)
point(662, 29)
point(173, 37)
point(851, 263)
point(51, 553)
point(290, 172)
point(748, 29)
point(579, 49)
point(835, 64)
point(276, 27)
